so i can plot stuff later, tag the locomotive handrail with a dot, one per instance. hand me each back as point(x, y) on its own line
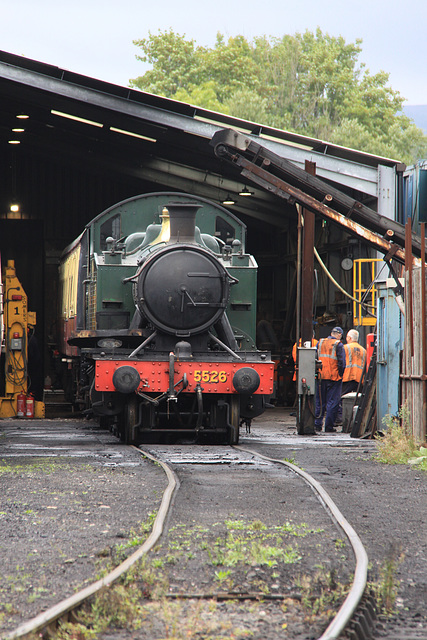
point(142, 345)
point(224, 346)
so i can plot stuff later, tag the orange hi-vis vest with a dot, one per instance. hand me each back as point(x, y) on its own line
point(294, 353)
point(327, 353)
point(355, 358)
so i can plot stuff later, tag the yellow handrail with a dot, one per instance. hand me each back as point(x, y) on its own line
point(364, 272)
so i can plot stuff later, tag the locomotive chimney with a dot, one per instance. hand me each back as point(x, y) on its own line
point(182, 217)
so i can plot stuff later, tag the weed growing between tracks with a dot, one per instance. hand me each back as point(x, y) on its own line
point(385, 590)
point(194, 584)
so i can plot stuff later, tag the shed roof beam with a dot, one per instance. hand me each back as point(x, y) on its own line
point(193, 182)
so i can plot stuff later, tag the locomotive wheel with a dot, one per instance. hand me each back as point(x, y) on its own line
point(234, 420)
point(131, 420)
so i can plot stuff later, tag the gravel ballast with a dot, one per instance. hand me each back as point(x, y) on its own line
point(71, 493)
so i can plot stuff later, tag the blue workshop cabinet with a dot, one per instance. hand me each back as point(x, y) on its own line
point(390, 333)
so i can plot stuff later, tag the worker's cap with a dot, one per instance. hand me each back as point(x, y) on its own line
point(337, 330)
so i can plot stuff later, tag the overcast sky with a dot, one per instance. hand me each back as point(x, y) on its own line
point(94, 37)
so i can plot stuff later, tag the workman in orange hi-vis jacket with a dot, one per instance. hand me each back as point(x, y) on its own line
point(330, 351)
point(355, 362)
point(294, 354)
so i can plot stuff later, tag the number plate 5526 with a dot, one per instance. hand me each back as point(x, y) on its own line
point(201, 375)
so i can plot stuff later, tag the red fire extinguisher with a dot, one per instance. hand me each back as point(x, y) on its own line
point(21, 405)
point(370, 345)
point(30, 406)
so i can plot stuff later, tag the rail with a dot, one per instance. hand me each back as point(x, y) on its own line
point(334, 630)
point(59, 610)
point(352, 601)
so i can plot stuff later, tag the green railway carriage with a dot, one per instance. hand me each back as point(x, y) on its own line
point(161, 283)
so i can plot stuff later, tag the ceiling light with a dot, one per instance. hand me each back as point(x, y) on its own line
point(69, 116)
point(228, 200)
point(245, 192)
point(22, 116)
point(18, 130)
point(14, 206)
point(14, 141)
point(134, 135)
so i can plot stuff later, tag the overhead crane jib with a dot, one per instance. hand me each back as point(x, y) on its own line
point(285, 180)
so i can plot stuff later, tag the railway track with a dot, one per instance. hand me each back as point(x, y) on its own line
point(238, 496)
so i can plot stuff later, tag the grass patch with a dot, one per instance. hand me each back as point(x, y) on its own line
point(397, 445)
point(255, 544)
point(226, 553)
point(42, 466)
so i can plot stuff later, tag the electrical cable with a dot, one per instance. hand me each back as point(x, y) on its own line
point(330, 276)
point(16, 367)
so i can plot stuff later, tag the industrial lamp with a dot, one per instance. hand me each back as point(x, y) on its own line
point(228, 200)
point(245, 192)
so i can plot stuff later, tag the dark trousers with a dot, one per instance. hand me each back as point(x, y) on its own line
point(328, 397)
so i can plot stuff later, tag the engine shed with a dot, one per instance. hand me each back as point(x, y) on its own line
point(71, 146)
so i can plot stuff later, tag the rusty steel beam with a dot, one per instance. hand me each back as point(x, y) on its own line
point(282, 189)
point(230, 144)
point(262, 169)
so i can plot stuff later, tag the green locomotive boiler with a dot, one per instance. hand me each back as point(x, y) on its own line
point(158, 315)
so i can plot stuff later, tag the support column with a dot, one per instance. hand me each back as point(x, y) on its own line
point(306, 403)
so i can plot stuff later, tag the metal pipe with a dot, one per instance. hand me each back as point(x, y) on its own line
point(307, 268)
point(199, 397)
point(171, 391)
point(409, 324)
point(409, 295)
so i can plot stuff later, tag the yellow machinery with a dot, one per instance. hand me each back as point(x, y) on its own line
point(364, 271)
point(17, 321)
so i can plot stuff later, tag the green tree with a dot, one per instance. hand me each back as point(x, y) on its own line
point(310, 83)
point(203, 95)
point(248, 105)
point(174, 60)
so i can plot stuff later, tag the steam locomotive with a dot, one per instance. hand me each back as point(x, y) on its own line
point(157, 321)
